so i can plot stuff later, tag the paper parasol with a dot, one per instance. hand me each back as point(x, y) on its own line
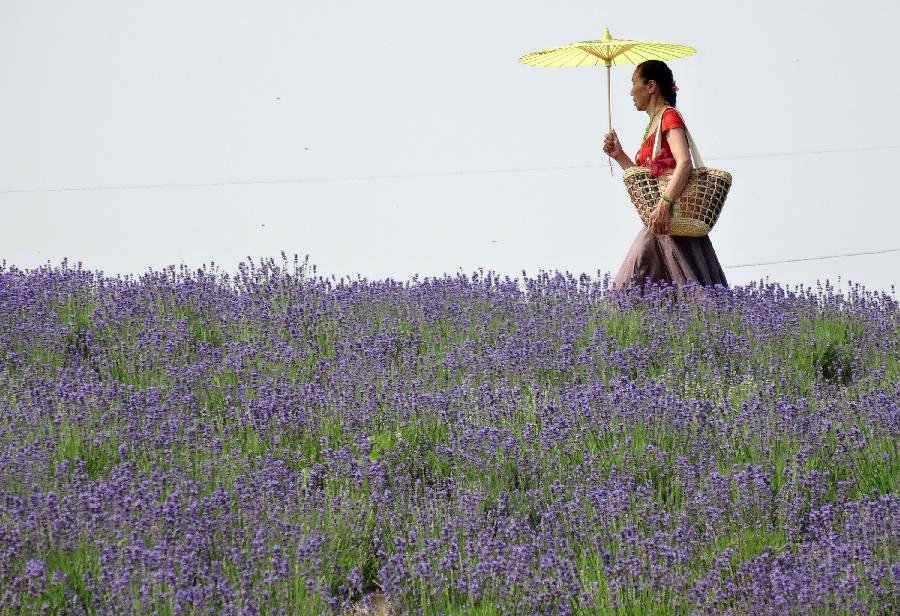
point(606, 52)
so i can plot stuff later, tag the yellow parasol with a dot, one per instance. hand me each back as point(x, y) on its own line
point(607, 51)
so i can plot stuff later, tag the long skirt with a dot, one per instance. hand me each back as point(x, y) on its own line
point(669, 259)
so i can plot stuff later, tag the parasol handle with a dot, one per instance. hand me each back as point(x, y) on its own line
point(609, 95)
point(609, 107)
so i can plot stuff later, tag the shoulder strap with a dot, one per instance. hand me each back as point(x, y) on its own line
point(657, 142)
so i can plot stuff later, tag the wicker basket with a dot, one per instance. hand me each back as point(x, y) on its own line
point(696, 210)
point(700, 203)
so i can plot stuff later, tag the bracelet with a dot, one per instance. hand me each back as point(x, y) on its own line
point(667, 200)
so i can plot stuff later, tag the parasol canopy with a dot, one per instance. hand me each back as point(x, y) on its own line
point(606, 52)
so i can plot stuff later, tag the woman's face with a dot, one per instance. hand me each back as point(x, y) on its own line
point(640, 91)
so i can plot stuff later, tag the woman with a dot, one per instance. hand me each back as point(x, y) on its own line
point(654, 254)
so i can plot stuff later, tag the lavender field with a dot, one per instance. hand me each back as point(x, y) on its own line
point(275, 442)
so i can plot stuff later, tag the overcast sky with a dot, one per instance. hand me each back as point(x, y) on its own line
point(508, 170)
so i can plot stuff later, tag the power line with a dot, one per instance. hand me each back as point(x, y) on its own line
point(804, 152)
point(394, 176)
point(848, 254)
point(350, 178)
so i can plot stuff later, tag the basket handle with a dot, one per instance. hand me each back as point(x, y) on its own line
point(657, 142)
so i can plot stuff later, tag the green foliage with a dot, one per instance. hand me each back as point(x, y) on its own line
point(747, 543)
point(877, 467)
point(824, 349)
point(97, 449)
point(624, 328)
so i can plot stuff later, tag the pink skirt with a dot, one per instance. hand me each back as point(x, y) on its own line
point(670, 259)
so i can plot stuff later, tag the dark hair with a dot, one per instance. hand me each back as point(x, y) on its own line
point(659, 71)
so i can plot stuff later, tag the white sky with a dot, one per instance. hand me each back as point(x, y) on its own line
point(126, 93)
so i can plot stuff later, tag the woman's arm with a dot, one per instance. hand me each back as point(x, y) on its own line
point(661, 216)
point(678, 143)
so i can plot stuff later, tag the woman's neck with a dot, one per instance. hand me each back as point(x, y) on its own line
point(656, 104)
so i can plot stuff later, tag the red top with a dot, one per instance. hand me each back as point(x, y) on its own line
point(664, 162)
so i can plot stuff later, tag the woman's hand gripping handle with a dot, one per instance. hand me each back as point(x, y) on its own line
point(611, 145)
point(613, 148)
